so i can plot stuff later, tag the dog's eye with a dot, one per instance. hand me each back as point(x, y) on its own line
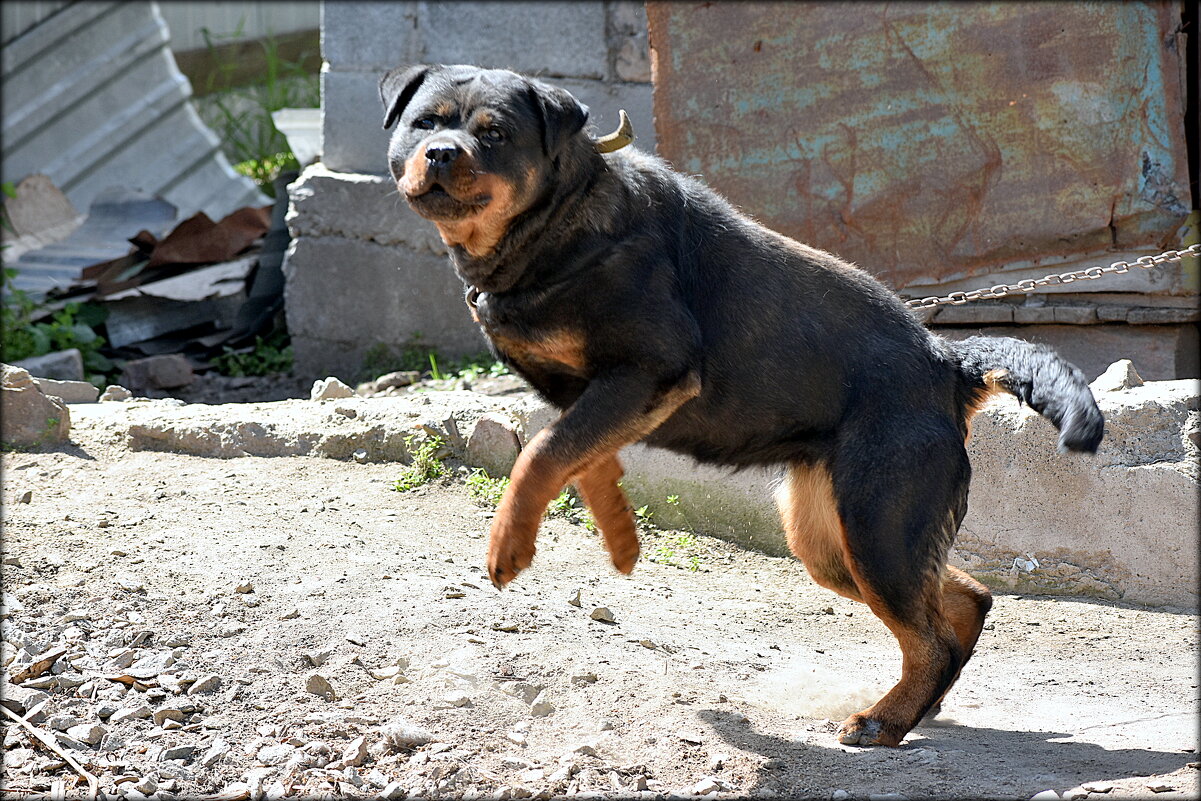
point(493, 136)
point(425, 123)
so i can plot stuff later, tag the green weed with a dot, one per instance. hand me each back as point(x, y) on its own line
point(242, 116)
point(425, 464)
point(268, 357)
point(72, 326)
point(485, 489)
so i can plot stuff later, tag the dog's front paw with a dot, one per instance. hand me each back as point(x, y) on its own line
point(625, 555)
point(507, 556)
point(859, 729)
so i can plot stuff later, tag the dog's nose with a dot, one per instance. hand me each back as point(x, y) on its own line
point(441, 154)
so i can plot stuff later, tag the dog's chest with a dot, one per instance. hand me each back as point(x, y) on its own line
point(531, 333)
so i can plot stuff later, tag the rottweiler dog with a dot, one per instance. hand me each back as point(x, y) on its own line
point(647, 308)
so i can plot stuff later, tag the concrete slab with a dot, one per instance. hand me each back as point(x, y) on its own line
point(1120, 526)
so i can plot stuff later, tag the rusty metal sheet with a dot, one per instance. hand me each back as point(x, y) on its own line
point(928, 141)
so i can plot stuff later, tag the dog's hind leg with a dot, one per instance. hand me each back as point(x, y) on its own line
point(900, 506)
point(965, 602)
point(814, 528)
point(611, 510)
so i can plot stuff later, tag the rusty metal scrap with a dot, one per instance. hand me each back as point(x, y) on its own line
point(932, 140)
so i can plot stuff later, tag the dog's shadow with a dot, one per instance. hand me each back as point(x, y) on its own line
point(964, 761)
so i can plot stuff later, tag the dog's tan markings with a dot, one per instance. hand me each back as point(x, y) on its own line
point(814, 528)
point(413, 179)
point(480, 233)
point(564, 348)
point(444, 109)
point(483, 119)
point(542, 471)
point(598, 484)
point(995, 383)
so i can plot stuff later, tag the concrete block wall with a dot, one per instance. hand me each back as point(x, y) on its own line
point(364, 271)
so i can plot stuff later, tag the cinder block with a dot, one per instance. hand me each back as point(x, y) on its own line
point(551, 39)
point(352, 118)
point(382, 35)
point(356, 206)
point(376, 295)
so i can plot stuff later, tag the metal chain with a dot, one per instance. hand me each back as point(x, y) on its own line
point(1031, 284)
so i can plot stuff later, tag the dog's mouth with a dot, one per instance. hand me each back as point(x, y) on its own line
point(435, 202)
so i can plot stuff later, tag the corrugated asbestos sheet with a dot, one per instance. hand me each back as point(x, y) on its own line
point(933, 141)
point(93, 99)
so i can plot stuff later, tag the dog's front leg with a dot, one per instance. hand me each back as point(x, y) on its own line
point(617, 408)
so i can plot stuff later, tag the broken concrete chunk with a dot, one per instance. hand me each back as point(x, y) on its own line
point(329, 388)
point(158, 372)
point(115, 392)
point(69, 391)
point(493, 444)
point(30, 418)
point(64, 365)
point(1118, 376)
point(319, 685)
point(205, 684)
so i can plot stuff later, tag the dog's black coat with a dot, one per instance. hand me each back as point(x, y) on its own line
point(801, 358)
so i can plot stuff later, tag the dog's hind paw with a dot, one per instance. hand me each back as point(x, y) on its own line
point(859, 729)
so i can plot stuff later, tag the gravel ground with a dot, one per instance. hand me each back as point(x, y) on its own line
point(262, 627)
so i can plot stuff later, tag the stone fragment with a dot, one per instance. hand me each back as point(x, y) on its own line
point(708, 786)
point(157, 372)
point(319, 656)
point(165, 714)
point(275, 754)
point(355, 753)
point(1045, 795)
point(603, 614)
point(178, 752)
point(399, 733)
point(89, 733)
point(68, 391)
point(140, 712)
point(456, 699)
point(493, 444)
point(21, 699)
point(244, 587)
point(541, 707)
point(574, 598)
point(205, 684)
point(215, 752)
point(115, 392)
point(63, 365)
point(330, 388)
point(30, 418)
point(392, 791)
point(1118, 376)
point(291, 614)
point(320, 686)
point(401, 378)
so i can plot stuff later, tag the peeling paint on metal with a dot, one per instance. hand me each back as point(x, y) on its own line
point(929, 140)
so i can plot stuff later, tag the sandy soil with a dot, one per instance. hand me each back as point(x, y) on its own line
point(725, 680)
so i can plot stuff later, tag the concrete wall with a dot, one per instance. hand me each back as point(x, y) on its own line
point(365, 272)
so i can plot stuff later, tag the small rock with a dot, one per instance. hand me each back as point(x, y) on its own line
point(89, 733)
point(603, 614)
point(1097, 787)
point(360, 456)
point(541, 707)
point(886, 797)
point(504, 625)
point(115, 392)
point(329, 388)
point(131, 713)
point(205, 684)
point(515, 737)
point(400, 733)
point(718, 761)
point(393, 790)
point(574, 598)
point(839, 795)
point(1075, 794)
point(355, 753)
point(147, 786)
point(26, 497)
point(30, 417)
point(457, 699)
point(244, 587)
point(708, 785)
point(319, 685)
point(21, 699)
point(216, 751)
point(1118, 376)
point(319, 656)
point(690, 737)
point(580, 679)
point(401, 378)
point(1045, 795)
point(1160, 787)
point(291, 614)
point(178, 752)
point(237, 791)
point(275, 754)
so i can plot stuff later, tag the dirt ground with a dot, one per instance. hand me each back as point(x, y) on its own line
point(161, 571)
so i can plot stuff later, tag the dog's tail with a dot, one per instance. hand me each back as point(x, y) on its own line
point(1039, 377)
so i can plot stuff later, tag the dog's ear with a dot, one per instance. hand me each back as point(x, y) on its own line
point(397, 88)
point(562, 115)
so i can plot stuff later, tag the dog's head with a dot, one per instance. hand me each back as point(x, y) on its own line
point(475, 148)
